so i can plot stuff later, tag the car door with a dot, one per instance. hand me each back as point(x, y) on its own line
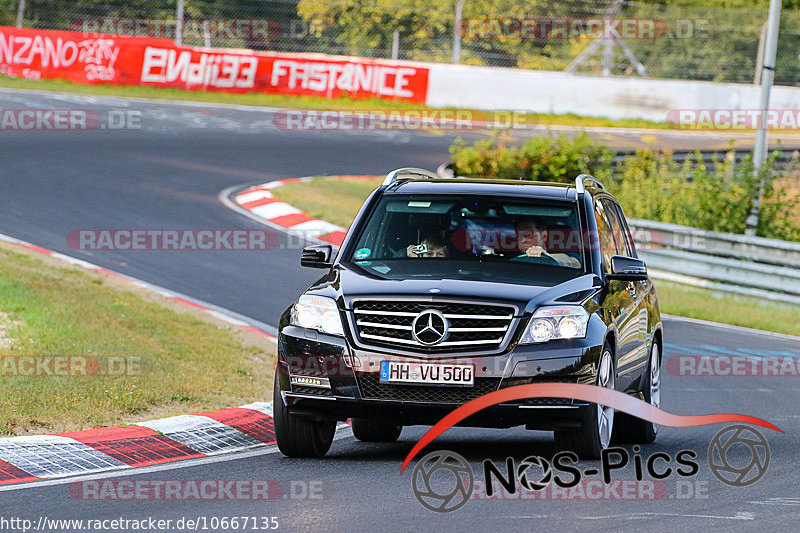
point(638, 289)
point(620, 301)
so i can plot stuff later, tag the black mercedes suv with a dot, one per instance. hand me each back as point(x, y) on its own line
point(444, 290)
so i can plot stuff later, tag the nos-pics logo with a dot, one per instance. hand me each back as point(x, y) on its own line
point(443, 481)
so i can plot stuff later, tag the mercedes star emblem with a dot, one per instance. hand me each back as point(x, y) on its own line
point(430, 327)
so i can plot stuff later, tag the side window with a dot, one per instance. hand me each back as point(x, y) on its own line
point(623, 246)
point(605, 235)
point(630, 245)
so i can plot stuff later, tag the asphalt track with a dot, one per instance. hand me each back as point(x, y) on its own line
point(168, 174)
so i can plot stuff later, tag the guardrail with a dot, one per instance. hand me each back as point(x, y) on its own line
point(789, 156)
point(756, 266)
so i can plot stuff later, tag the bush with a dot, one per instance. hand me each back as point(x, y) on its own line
point(654, 186)
point(649, 184)
point(543, 158)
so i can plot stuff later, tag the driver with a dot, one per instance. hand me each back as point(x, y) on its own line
point(531, 240)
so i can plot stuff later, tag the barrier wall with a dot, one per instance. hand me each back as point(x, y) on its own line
point(536, 91)
point(157, 62)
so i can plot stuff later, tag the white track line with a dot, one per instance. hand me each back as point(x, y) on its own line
point(740, 329)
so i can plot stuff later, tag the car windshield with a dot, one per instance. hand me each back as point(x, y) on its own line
point(504, 239)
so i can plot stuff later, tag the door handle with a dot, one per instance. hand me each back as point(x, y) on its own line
point(632, 289)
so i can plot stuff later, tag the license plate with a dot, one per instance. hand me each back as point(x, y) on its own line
point(427, 373)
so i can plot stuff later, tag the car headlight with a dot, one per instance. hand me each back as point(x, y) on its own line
point(317, 312)
point(562, 322)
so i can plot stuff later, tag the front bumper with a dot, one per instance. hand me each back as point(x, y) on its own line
point(355, 389)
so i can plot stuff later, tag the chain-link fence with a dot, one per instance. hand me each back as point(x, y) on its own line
point(604, 37)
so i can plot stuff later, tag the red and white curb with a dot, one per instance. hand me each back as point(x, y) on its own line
point(43, 457)
point(40, 457)
point(120, 448)
point(259, 201)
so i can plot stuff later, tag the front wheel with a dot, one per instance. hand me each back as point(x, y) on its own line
point(298, 437)
point(595, 435)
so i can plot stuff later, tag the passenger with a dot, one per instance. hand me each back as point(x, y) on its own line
point(429, 247)
point(531, 240)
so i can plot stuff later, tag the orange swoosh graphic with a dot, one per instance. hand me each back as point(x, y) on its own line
point(587, 393)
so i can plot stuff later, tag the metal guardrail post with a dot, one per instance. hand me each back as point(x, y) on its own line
point(179, 23)
point(457, 32)
point(395, 44)
point(767, 75)
point(20, 13)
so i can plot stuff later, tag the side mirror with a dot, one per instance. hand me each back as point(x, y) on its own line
point(627, 269)
point(318, 256)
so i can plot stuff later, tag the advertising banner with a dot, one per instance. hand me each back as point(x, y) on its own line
point(119, 60)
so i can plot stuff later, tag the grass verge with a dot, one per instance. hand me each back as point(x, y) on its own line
point(338, 200)
point(305, 102)
point(717, 306)
point(133, 355)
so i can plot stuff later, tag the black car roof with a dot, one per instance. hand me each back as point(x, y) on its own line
point(532, 189)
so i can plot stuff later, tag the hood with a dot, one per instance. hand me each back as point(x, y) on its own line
point(344, 284)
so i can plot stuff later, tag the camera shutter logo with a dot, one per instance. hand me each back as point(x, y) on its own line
point(542, 464)
point(443, 481)
point(728, 444)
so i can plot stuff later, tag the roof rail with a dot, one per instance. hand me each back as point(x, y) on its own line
point(585, 179)
point(408, 173)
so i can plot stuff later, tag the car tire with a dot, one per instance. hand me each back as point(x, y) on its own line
point(297, 437)
point(630, 429)
point(371, 430)
point(595, 435)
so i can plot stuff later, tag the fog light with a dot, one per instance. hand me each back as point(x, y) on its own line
point(309, 381)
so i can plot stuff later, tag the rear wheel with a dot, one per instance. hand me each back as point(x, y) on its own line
point(635, 430)
point(371, 430)
point(595, 435)
point(298, 437)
